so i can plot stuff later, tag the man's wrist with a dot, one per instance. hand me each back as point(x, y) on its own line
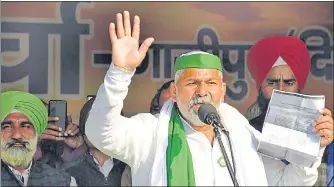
point(120, 75)
point(124, 68)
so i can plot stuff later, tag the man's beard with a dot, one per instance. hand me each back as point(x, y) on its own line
point(191, 115)
point(18, 157)
point(263, 102)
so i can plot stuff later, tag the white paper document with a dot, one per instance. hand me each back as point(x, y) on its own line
point(288, 131)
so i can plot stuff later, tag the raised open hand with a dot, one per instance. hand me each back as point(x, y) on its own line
point(126, 52)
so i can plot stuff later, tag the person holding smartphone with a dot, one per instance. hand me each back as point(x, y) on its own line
point(54, 147)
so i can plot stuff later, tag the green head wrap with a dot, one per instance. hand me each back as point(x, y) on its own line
point(29, 105)
point(198, 59)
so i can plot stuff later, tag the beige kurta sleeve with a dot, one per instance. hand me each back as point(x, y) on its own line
point(127, 139)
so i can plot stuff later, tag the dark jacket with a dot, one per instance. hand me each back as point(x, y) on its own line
point(40, 175)
point(87, 173)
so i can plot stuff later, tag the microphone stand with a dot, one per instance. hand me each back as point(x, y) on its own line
point(216, 127)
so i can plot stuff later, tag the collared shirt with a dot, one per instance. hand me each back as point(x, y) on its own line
point(106, 167)
point(26, 174)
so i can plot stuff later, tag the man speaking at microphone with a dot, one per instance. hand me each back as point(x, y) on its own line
point(176, 148)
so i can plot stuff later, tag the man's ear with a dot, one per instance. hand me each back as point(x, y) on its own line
point(172, 91)
point(223, 92)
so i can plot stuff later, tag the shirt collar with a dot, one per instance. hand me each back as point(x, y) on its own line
point(17, 172)
point(110, 159)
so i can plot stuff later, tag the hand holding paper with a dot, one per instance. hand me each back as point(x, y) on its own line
point(288, 132)
point(323, 127)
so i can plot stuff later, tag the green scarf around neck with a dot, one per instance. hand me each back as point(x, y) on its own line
point(180, 169)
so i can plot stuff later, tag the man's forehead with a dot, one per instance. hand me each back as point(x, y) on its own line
point(282, 70)
point(16, 116)
point(193, 73)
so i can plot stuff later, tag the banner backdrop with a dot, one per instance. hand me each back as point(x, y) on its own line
point(61, 50)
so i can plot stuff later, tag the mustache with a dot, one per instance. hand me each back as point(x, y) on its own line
point(200, 100)
point(18, 156)
point(11, 142)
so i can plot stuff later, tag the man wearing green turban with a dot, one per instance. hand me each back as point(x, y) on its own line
point(23, 119)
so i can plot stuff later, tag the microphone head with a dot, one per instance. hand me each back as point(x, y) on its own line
point(205, 111)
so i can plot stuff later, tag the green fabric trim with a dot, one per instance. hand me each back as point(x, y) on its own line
point(180, 170)
point(204, 61)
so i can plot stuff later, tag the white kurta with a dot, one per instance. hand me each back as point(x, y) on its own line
point(208, 162)
point(133, 141)
point(205, 159)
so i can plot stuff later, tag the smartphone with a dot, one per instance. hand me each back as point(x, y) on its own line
point(58, 108)
point(90, 97)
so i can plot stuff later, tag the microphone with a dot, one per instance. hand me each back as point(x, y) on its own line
point(209, 115)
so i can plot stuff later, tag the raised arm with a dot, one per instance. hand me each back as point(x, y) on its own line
point(127, 139)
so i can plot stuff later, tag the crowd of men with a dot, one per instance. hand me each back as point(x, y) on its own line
point(170, 146)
